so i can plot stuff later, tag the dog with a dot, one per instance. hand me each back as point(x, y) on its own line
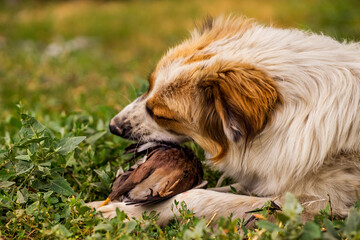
point(276, 110)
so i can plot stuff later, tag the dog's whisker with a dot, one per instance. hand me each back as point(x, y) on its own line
point(125, 98)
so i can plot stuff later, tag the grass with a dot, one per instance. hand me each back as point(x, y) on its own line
point(73, 65)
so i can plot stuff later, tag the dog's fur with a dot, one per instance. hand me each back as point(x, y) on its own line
point(277, 110)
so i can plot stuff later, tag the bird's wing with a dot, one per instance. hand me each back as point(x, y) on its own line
point(129, 180)
point(160, 185)
point(141, 170)
point(165, 173)
point(174, 174)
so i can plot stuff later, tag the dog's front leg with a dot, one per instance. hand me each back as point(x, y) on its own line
point(204, 203)
point(225, 189)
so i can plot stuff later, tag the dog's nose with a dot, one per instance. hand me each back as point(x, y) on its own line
point(114, 129)
point(120, 129)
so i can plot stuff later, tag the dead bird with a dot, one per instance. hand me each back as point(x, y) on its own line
point(167, 170)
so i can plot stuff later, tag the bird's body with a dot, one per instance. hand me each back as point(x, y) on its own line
point(167, 170)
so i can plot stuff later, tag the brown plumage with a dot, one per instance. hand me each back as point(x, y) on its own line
point(165, 171)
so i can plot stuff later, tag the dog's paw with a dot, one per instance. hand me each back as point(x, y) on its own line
point(109, 210)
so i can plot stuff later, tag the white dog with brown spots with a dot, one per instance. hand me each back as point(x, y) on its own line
point(277, 110)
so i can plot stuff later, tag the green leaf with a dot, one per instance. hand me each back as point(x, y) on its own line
point(57, 217)
point(31, 128)
point(6, 184)
point(25, 142)
point(67, 145)
point(120, 215)
point(93, 138)
point(99, 186)
point(100, 125)
point(103, 226)
point(84, 209)
point(23, 157)
point(330, 230)
point(52, 200)
point(311, 231)
point(23, 167)
point(44, 170)
point(6, 175)
point(104, 178)
point(282, 217)
point(47, 195)
point(292, 208)
point(30, 122)
point(70, 160)
point(130, 226)
point(61, 231)
point(31, 209)
point(61, 186)
point(200, 228)
point(20, 197)
point(268, 226)
point(352, 223)
point(196, 233)
point(39, 184)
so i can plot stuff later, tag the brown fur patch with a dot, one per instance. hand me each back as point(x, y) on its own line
point(159, 110)
point(202, 37)
point(197, 58)
point(243, 98)
point(167, 118)
point(211, 127)
point(151, 80)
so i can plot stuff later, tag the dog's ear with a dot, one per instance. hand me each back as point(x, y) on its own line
point(242, 97)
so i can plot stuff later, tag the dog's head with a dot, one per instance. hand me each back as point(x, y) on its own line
point(200, 91)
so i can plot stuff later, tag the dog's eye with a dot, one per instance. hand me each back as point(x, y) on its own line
point(149, 111)
point(162, 118)
point(157, 117)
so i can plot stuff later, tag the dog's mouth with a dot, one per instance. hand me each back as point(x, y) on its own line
point(141, 148)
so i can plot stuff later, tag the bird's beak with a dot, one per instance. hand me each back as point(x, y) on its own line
point(106, 202)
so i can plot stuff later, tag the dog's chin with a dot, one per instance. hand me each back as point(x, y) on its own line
point(142, 146)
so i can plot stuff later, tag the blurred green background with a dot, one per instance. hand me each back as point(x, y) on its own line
point(92, 56)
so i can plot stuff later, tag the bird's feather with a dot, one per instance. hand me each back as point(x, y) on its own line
point(166, 171)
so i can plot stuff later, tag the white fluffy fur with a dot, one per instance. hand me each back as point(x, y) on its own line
point(311, 147)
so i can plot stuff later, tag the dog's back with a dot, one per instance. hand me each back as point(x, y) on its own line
point(310, 145)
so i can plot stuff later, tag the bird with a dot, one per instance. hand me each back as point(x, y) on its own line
point(165, 171)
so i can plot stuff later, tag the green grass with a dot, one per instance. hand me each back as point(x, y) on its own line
point(73, 65)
